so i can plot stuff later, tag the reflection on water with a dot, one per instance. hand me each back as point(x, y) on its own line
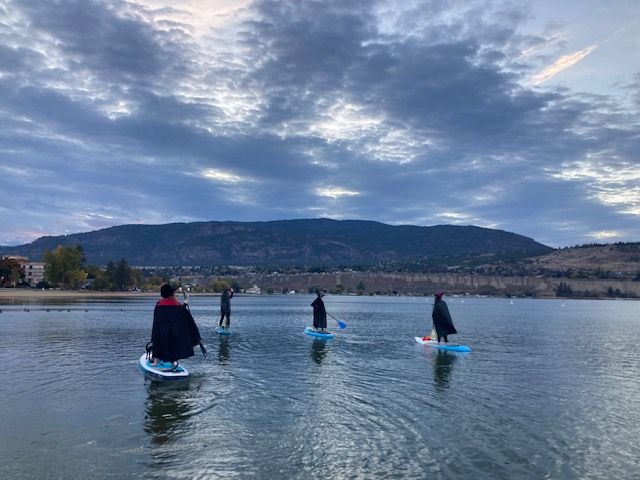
point(224, 350)
point(167, 406)
point(443, 368)
point(318, 350)
point(358, 407)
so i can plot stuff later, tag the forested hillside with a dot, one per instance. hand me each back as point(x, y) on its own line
point(313, 243)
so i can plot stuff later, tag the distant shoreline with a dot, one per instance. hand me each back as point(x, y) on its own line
point(25, 293)
point(51, 293)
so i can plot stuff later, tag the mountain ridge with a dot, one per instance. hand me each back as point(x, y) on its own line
point(296, 242)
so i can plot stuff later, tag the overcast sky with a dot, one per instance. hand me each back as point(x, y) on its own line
point(517, 115)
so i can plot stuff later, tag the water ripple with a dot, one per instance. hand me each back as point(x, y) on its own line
point(540, 396)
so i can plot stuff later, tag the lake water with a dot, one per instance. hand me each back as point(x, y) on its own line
point(551, 390)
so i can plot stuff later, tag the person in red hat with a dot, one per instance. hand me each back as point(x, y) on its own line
point(174, 332)
point(442, 321)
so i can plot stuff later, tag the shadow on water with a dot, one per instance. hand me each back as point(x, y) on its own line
point(318, 351)
point(168, 405)
point(443, 368)
point(224, 350)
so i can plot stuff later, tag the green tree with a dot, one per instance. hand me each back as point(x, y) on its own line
point(111, 273)
point(153, 282)
point(10, 272)
point(360, 288)
point(137, 278)
point(99, 278)
point(64, 266)
point(123, 276)
point(220, 284)
point(564, 290)
point(101, 281)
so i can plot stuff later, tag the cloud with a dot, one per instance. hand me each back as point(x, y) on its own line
point(335, 192)
point(562, 64)
point(418, 112)
point(220, 176)
point(605, 235)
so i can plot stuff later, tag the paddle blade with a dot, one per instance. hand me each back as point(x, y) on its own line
point(341, 324)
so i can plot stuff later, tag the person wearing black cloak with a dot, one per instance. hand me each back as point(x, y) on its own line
point(319, 313)
point(174, 332)
point(441, 318)
point(225, 307)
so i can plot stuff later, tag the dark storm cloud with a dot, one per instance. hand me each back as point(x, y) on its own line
point(97, 37)
point(435, 85)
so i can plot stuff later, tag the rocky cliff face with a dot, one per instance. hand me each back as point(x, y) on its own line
point(427, 284)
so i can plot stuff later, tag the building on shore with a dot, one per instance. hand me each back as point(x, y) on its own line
point(33, 271)
point(254, 290)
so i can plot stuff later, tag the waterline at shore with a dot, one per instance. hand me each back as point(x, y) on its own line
point(52, 293)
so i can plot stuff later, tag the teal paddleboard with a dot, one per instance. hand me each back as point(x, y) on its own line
point(312, 333)
point(223, 331)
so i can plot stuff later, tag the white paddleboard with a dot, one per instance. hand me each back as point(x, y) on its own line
point(162, 371)
point(453, 347)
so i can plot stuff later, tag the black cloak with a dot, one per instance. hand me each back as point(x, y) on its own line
point(319, 314)
point(225, 303)
point(442, 319)
point(174, 332)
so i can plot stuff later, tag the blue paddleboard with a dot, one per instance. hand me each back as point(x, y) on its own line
point(223, 331)
point(453, 347)
point(311, 332)
point(163, 370)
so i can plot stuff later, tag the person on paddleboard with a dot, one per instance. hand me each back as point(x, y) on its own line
point(174, 332)
point(442, 321)
point(319, 313)
point(225, 307)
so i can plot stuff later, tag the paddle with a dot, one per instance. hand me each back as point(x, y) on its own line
point(186, 304)
point(341, 324)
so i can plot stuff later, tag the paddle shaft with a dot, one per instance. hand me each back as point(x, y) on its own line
point(340, 323)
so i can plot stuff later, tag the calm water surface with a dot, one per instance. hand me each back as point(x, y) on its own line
point(551, 390)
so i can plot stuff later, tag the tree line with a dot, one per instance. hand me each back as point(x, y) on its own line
point(11, 274)
point(66, 269)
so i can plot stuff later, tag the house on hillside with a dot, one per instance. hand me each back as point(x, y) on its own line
point(255, 290)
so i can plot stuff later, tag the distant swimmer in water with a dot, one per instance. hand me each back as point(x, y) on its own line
point(441, 318)
point(319, 313)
